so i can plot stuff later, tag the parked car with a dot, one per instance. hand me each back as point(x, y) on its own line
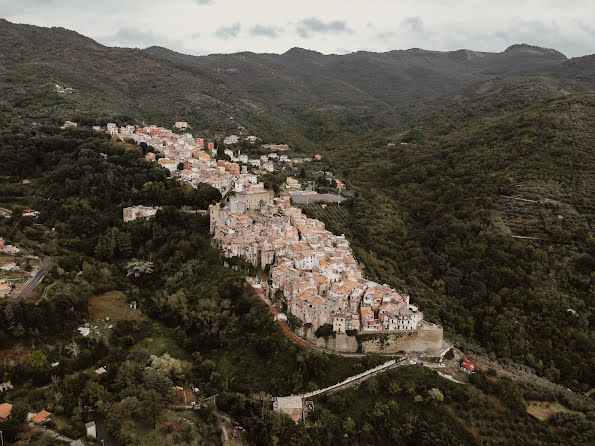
point(442, 365)
point(412, 361)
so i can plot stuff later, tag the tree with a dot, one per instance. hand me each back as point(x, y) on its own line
point(151, 405)
point(435, 395)
point(139, 268)
point(37, 359)
point(167, 365)
point(130, 405)
point(124, 243)
point(156, 380)
point(73, 348)
point(180, 166)
point(104, 249)
point(96, 393)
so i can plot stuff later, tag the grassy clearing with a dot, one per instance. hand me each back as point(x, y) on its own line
point(15, 355)
point(114, 305)
point(168, 423)
point(162, 340)
point(544, 410)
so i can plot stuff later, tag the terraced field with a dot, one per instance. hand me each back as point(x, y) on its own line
point(335, 216)
point(543, 218)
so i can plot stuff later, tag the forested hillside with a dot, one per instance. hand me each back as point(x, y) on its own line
point(200, 325)
point(261, 92)
point(440, 214)
point(471, 177)
point(220, 335)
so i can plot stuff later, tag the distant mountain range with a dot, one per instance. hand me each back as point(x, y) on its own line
point(259, 91)
point(359, 79)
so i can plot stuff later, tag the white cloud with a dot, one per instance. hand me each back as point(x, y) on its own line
point(312, 26)
point(265, 31)
point(275, 26)
point(228, 32)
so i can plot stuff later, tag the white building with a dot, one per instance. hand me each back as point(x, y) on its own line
point(136, 212)
point(231, 139)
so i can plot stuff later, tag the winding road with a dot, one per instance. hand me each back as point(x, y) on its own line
point(45, 264)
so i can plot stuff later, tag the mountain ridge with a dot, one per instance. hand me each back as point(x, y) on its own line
point(261, 91)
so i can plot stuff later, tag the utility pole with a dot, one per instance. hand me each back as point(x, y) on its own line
point(2, 438)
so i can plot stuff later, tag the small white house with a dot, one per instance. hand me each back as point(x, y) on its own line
point(91, 429)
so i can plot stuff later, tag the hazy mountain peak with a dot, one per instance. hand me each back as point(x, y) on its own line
point(532, 49)
point(297, 51)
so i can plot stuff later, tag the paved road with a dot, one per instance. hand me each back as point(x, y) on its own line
point(45, 264)
point(102, 434)
point(408, 360)
point(228, 190)
point(228, 428)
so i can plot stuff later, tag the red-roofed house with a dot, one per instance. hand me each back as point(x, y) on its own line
point(41, 417)
point(5, 410)
point(467, 366)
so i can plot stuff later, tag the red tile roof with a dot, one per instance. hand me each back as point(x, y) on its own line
point(41, 416)
point(5, 410)
point(468, 365)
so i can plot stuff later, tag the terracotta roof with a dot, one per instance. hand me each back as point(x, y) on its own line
point(41, 416)
point(468, 365)
point(5, 410)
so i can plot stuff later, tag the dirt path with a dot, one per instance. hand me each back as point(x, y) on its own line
point(275, 314)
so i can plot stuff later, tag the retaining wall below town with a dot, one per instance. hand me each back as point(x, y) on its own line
point(422, 340)
point(426, 339)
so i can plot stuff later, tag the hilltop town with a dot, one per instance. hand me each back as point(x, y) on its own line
point(320, 281)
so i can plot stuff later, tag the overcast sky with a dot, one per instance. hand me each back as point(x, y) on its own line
point(329, 26)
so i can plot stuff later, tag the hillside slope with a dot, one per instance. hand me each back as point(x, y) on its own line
point(109, 83)
point(261, 92)
point(303, 77)
point(484, 211)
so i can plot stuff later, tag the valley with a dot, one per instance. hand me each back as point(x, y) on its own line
point(358, 249)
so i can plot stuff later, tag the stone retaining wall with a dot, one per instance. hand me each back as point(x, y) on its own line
point(421, 340)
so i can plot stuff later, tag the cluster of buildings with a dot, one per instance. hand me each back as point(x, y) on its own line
point(194, 154)
point(314, 269)
point(5, 286)
point(7, 249)
point(139, 212)
point(234, 139)
point(69, 124)
point(264, 162)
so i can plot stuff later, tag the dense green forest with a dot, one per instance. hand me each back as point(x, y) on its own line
point(435, 217)
point(224, 336)
point(201, 324)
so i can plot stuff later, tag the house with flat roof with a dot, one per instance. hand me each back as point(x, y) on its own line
point(290, 405)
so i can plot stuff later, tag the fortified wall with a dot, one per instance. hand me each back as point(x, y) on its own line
point(427, 338)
